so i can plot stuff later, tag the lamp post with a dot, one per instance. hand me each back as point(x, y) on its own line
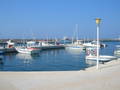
point(98, 27)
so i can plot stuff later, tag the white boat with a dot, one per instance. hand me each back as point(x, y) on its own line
point(10, 47)
point(91, 54)
point(75, 46)
point(45, 45)
point(90, 44)
point(101, 58)
point(94, 44)
point(27, 50)
point(30, 48)
point(10, 44)
point(117, 51)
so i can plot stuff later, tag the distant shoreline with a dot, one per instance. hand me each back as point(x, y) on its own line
point(19, 40)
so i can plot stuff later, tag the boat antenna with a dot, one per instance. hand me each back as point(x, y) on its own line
point(76, 31)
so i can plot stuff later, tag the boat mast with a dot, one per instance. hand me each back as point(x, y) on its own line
point(72, 40)
point(33, 36)
point(76, 31)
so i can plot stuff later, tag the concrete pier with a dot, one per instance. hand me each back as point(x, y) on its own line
point(105, 78)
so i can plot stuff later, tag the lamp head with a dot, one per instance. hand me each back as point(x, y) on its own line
point(98, 20)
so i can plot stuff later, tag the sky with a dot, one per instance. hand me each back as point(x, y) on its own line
point(57, 18)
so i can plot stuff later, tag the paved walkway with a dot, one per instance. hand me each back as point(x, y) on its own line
point(106, 78)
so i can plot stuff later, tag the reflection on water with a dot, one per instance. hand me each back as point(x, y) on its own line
point(49, 60)
point(74, 51)
point(27, 58)
point(24, 56)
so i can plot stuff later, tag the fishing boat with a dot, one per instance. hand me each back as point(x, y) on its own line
point(10, 47)
point(30, 48)
point(27, 50)
point(91, 54)
point(10, 44)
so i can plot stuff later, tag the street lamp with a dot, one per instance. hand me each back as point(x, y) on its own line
point(98, 20)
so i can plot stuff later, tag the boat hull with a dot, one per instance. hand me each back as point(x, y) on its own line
point(27, 51)
point(101, 58)
point(117, 52)
point(75, 47)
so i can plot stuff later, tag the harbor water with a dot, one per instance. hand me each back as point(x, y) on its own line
point(52, 60)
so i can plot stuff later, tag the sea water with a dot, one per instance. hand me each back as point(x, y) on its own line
point(52, 60)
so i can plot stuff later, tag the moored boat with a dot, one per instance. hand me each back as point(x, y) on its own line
point(44, 45)
point(30, 48)
point(10, 47)
point(101, 58)
point(117, 51)
point(91, 54)
point(27, 50)
point(75, 46)
point(94, 44)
